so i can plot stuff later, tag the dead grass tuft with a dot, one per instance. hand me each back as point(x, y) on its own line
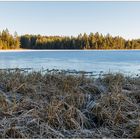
point(58, 105)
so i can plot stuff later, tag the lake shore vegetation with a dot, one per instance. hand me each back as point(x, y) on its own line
point(93, 41)
point(59, 105)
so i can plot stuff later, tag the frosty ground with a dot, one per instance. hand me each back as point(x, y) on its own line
point(59, 105)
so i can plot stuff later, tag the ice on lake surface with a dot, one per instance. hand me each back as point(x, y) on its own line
point(90, 61)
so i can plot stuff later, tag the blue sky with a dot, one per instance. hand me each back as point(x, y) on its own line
point(71, 18)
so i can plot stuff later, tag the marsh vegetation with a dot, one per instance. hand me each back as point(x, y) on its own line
point(58, 105)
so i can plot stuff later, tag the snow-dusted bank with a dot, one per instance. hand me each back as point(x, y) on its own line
point(61, 50)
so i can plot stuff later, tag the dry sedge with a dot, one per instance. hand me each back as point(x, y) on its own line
point(58, 105)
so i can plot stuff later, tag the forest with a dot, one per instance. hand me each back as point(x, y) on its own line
point(82, 41)
point(9, 41)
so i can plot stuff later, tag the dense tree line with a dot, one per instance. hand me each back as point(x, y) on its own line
point(82, 41)
point(8, 41)
point(91, 41)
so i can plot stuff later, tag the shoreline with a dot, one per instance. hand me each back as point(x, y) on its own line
point(51, 50)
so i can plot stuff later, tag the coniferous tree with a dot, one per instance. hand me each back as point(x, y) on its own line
point(91, 41)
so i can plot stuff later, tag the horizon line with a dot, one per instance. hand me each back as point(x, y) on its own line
point(62, 35)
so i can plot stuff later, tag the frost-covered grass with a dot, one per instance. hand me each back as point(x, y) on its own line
point(58, 105)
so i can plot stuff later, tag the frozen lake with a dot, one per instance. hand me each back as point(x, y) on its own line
point(95, 61)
